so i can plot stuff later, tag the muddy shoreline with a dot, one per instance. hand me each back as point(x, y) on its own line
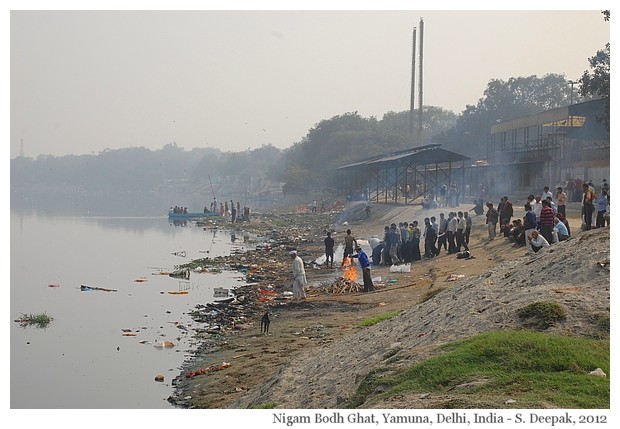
point(268, 287)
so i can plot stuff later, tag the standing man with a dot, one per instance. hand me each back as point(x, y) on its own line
point(329, 250)
point(299, 277)
point(387, 242)
point(588, 205)
point(468, 225)
point(430, 251)
point(536, 206)
point(460, 232)
point(313, 206)
point(546, 193)
point(451, 232)
point(545, 222)
point(394, 243)
point(602, 209)
point(416, 233)
point(507, 211)
point(492, 217)
point(529, 225)
point(365, 264)
point(561, 198)
point(233, 211)
point(349, 243)
point(441, 234)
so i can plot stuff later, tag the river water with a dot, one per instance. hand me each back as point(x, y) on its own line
point(82, 360)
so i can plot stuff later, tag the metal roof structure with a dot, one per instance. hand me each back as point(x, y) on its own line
point(423, 155)
point(406, 174)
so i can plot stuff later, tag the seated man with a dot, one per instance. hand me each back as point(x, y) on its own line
point(537, 241)
point(561, 229)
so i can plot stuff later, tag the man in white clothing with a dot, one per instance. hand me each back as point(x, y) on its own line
point(299, 277)
point(536, 206)
point(537, 241)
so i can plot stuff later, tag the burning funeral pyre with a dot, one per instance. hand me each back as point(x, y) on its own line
point(347, 283)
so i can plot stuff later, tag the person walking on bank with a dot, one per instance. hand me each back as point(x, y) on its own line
point(365, 264)
point(329, 250)
point(299, 277)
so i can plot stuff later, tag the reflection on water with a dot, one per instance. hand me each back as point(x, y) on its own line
point(102, 348)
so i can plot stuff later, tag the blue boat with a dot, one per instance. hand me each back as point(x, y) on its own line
point(187, 216)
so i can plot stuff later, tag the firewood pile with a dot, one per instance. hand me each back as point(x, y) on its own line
point(341, 286)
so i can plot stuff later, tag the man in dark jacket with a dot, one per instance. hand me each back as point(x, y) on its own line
point(329, 250)
point(507, 211)
point(365, 264)
point(529, 224)
point(430, 236)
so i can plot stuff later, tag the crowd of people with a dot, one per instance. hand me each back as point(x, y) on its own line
point(409, 241)
point(230, 211)
point(545, 221)
point(178, 209)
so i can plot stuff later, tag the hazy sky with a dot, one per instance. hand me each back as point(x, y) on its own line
point(85, 81)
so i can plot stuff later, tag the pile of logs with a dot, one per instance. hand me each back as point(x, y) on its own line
point(342, 285)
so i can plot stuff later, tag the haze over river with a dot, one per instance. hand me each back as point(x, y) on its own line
point(82, 360)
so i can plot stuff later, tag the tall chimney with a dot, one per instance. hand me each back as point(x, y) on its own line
point(421, 86)
point(412, 106)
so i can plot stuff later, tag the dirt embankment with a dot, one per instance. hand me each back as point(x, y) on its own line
point(317, 352)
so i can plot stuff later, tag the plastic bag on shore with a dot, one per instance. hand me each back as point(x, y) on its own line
point(404, 268)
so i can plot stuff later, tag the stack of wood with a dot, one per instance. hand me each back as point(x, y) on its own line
point(342, 285)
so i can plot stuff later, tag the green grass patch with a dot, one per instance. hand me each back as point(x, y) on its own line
point(542, 314)
point(380, 318)
point(41, 320)
point(537, 370)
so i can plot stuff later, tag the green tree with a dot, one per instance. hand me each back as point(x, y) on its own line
point(596, 81)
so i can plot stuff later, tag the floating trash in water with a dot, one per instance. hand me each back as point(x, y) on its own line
point(89, 288)
point(164, 344)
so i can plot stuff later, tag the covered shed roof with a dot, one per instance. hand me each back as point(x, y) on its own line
point(423, 155)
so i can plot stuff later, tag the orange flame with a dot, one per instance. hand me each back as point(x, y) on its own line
point(348, 270)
